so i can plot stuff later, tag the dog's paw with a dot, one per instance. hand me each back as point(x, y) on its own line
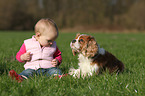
point(74, 72)
point(71, 71)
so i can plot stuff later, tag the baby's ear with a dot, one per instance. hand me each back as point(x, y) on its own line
point(38, 34)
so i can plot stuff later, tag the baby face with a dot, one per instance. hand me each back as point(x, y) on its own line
point(45, 41)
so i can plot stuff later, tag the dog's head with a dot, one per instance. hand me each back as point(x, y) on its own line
point(84, 44)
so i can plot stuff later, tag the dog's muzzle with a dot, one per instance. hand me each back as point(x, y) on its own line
point(75, 44)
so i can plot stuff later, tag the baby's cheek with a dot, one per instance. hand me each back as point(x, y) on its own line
point(44, 43)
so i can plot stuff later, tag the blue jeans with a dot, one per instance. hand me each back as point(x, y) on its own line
point(41, 71)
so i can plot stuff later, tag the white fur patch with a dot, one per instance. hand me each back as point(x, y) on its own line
point(85, 67)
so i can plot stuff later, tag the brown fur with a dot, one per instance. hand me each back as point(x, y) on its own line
point(110, 62)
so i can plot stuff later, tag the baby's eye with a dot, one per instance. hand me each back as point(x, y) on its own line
point(81, 40)
point(49, 41)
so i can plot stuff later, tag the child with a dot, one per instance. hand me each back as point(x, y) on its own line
point(40, 53)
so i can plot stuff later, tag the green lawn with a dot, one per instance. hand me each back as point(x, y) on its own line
point(129, 48)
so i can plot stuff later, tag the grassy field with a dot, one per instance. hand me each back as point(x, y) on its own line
point(129, 48)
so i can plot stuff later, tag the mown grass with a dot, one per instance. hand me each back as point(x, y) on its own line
point(129, 48)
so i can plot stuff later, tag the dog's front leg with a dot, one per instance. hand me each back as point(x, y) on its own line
point(74, 72)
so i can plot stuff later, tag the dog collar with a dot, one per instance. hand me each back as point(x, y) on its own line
point(101, 51)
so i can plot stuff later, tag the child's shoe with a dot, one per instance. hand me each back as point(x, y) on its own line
point(60, 76)
point(15, 76)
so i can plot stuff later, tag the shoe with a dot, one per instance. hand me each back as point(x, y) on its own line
point(15, 76)
point(60, 76)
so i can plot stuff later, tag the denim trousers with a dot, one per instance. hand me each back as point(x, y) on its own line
point(41, 71)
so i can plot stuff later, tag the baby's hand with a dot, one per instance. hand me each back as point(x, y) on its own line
point(54, 62)
point(26, 56)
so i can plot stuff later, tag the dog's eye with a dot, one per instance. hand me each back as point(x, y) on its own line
point(81, 40)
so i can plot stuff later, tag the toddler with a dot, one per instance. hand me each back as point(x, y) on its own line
point(40, 53)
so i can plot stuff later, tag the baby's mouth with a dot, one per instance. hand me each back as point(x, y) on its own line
point(48, 45)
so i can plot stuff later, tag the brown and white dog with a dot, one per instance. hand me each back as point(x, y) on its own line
point(92, 58)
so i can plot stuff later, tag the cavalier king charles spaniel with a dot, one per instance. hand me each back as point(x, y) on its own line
point(92, 58)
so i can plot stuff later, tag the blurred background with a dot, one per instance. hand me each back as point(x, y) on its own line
point(74, 14)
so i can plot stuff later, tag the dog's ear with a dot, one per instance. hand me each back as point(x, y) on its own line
point(91, 47)
point(74, 52)
point(77, 35)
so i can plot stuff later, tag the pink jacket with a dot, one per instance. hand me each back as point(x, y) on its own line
point(40, 57)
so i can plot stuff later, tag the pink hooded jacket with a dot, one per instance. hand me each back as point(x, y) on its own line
point(40, 57)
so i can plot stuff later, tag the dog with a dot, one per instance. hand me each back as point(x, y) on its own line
point(92, 58)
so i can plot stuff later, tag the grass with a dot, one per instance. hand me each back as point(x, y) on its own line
point(129, 48)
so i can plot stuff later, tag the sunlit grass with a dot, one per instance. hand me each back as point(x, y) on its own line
point(129, 48)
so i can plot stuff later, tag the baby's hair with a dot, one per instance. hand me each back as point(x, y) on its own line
point(43, 23)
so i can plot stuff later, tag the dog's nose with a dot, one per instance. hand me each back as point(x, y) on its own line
point(73, 41)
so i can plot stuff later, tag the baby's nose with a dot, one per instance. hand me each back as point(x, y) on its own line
point(73, 41)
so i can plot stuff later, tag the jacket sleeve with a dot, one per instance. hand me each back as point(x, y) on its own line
point(57, 55)
point(20, 52)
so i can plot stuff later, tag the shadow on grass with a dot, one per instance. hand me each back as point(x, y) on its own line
point(64, 70)
point(3, 68)
point(3, 64)
point(127, 71)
